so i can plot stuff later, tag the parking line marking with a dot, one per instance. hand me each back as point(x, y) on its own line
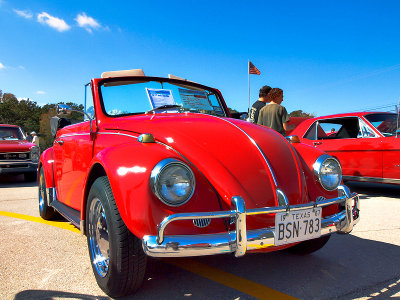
point(241, 284)
point(62, 225)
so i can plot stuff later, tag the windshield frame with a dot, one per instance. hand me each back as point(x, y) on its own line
point(139, 79)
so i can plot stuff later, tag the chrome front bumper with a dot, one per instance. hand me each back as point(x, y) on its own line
point(241, 240)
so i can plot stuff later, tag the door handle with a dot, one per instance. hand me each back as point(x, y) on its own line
point(317, 143)
point(60, 142)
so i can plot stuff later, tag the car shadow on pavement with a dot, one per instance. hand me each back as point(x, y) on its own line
point(42, 294)
point(347, 267)
point(13, 181)
point(370, 190)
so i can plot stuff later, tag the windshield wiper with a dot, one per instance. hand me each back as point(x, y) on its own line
point(163, 107)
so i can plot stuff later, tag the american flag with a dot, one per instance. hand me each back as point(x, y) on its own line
point(253, 69)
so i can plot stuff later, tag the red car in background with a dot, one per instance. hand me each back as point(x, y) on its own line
point(160, 169)
point(367, 144)
point(17, 155)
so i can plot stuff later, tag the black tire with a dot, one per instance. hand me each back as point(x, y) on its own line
point(30, 177)
point(45, 211)
point(310, 246)
point(120, 261)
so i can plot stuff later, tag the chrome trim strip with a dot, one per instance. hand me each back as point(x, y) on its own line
point(372, 179)
point(72, 134)
point(16, 162)
point(26, 152)
point(241, 240)
point(282, 200)
point(259, 149)
point(117, 133)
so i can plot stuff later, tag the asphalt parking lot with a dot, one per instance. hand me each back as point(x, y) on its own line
point(42, 261)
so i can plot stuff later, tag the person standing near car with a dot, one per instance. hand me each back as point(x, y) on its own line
point(260, 103)
point(35, 138)
point(274, 115)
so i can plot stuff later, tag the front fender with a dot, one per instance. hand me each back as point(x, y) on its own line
point(142, 212)
point(308, 155)
point(46, 162)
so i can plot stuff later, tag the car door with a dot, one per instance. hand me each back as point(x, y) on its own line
point(352, 141)
point(73, 154)
point(391, 159)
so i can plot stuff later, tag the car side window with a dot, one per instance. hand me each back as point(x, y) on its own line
point(365, 131)
point(342, 128)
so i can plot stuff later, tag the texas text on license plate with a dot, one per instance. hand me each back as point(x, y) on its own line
point(297, 226)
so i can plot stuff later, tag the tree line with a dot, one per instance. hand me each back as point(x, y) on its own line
point(30, 116)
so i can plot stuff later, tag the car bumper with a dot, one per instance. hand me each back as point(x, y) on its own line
point(241, 240)
point(18, 167)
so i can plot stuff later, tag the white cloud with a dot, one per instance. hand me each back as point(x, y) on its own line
point(56, 23)
point(41, 92)
point(24, 13)
point(86, 22)
point(21, 67)
point(2, 66)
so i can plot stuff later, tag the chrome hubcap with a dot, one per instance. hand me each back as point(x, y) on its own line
point(41, 192)
point(98, 237)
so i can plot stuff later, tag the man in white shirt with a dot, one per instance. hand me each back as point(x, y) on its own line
point(35, 139)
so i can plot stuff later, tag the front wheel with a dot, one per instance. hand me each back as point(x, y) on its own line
point(45, 211)
point(310, 246)
point(117, 257)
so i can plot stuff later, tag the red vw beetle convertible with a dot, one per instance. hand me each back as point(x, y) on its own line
point(160, 169)
point(366, 143)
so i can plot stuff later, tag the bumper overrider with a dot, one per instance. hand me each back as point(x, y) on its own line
point(240, 240)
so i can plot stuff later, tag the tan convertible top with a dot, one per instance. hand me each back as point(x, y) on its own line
point(123, 73)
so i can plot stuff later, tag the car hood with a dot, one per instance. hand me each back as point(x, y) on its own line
point(238, 158)
point(15, 146)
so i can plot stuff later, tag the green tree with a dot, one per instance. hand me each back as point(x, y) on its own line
point(24, 113)
point(300, 113)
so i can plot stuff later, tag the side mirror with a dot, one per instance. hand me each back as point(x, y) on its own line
point(240, 115)
point(244, 116)
point(63, 109)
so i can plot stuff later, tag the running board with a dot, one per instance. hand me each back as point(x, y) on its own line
point(72, 215)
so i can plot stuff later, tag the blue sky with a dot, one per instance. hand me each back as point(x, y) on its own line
point(327, 56)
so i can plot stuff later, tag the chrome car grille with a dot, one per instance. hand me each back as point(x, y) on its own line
point(15, 156)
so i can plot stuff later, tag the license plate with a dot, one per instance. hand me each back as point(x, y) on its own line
point(297, 226)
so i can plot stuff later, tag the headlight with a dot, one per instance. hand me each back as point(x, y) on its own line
point(328, 171)
point(172, 181)
point(35, 154)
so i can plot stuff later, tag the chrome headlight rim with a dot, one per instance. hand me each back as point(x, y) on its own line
point(317, 170)
point(156, 175)
point(35, 151)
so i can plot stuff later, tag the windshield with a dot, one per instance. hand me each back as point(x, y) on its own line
point(129, 97)
point(385, 123)
point(11, 133)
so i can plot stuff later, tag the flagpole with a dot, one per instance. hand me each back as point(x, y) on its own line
point(248, 74)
